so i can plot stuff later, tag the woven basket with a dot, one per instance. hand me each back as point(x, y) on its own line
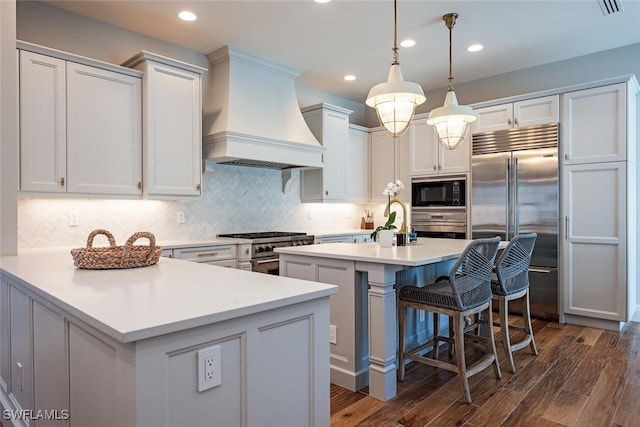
point(127, 256)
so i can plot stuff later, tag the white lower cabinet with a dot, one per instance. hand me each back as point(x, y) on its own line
point(595, 241)
point(220, 255)
point(344, 238)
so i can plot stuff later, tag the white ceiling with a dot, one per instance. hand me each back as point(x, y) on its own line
point(327, 41)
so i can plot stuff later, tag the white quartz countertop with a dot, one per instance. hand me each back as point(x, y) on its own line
point(426, 251)
point(170, 296)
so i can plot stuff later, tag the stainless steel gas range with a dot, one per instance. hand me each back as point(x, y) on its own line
point(263, 258)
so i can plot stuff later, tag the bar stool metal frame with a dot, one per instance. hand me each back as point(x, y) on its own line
point(466, 291)
point(511, 282)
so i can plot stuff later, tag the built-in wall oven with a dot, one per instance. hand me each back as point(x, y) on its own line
point(438, 207)
point(263, 258)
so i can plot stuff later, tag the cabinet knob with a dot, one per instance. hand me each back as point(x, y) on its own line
point(515, 122)
point(139, 185)
point(509, 122)
point(198, 187)
point(566, 157)
point(435, 168)
point(326, 193)
point(62, 181)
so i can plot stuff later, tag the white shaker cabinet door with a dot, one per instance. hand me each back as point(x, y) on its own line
point(104, 133)
point(595, 242)
point(43, 137)
point(594, 125)
point(173, 139)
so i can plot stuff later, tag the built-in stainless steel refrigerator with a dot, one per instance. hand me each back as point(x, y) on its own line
point(514, 181)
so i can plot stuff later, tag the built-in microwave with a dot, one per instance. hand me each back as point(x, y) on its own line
point(438, 192)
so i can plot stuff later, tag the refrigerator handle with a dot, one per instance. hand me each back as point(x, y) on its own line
point(566, 228)
point(507, 162)
point(516, 201)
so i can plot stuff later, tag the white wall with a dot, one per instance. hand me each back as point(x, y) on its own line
point(8, 128)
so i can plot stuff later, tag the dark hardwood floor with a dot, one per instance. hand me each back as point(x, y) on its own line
point(581, 377)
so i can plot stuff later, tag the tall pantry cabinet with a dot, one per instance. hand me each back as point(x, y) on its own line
point(598, 205)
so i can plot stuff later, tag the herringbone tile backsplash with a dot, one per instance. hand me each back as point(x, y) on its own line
point(234, 199)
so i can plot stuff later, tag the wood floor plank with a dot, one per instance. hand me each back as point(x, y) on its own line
point(356, 412)
point(566, 408)
point(603, 402)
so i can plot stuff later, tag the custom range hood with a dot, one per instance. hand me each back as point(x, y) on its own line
point(252, 117)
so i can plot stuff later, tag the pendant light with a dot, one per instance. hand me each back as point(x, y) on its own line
point(395, 100)
point(451, 121)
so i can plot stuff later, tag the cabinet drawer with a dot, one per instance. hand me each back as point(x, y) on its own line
point(206, 253)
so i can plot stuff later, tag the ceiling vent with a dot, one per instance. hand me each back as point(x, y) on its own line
point(610, 6)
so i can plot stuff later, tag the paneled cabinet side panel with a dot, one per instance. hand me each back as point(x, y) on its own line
point(50, 373)
point(357, 156)
point(21, 366)
point(104, 133)
point(101, 381)
point(43, 127)
point(5, 346)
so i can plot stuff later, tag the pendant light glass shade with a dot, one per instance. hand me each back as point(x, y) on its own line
point(451, 121)
point(395, 100)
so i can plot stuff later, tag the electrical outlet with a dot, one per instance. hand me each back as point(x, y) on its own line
point(333, 334)
point(421, 316)
point(209, 367)
point(74, 219)
point(181, 217)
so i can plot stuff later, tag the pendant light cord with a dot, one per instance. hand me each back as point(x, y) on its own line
point(395, 34)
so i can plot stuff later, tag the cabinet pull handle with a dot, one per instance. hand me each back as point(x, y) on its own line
point(435, 168)
point(566, 157)
point(208, 254)
point(509, 122)
point(139, 185)
point(198, 187)
point(62, 181)
point(515, 122)
point(566, 228)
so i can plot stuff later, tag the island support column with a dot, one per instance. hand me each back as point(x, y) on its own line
point(382, 328)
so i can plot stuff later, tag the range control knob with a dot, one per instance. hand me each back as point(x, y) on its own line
point(260, 249)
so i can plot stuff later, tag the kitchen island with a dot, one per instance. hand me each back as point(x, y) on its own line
point(363, 313)
point(120, 347)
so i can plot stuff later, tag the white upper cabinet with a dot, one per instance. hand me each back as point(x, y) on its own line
point(43, 130)
point(172, 126)
point(594, 123)
point(427, 157)
point(358, 155)
point(389, 162)
point(330, 125)
point(535, 111)
point(104, 145)
point(80, 125)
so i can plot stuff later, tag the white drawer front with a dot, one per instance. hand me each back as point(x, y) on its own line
point(206, 253)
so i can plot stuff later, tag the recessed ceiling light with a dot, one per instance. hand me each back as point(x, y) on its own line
point(349, 77)
point(475, 48)
point(185, 15)
point(322, 1)
point(408, 43)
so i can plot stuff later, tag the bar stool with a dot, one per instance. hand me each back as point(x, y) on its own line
point(467, 291)
point(511, 281)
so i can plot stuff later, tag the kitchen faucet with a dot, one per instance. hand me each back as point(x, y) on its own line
point(404, 227)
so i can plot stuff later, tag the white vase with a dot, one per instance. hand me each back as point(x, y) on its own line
point(385, 238)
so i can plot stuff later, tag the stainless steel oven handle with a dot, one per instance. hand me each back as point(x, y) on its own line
point(265, 261)
point(539, 270)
